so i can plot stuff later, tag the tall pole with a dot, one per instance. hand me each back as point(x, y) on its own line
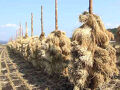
point(26, 33)
point(31, 24)
point(11, 39)
point(90, 6)
point(20, 31)
point(56, 16)
point(41, 20)
point(16, 34)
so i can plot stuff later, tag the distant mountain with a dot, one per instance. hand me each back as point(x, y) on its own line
point(3, 42)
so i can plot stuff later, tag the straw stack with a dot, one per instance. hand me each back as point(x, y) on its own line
point(93, 61)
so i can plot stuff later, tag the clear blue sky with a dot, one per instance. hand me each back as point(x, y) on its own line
point(14, 11)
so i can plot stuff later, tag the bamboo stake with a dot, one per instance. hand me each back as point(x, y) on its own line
point(90, 6)
point(31, 24)
point(56, 15)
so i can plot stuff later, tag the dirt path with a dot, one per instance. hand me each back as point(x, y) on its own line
point(16, 74)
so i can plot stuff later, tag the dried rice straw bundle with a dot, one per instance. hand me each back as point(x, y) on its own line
point(24, 46)
point(110, 35)
point(16, 46)
point(97, 32)
point(113, 61)
point(31, 49)
point(84, 37)
point(80, 66)
point(92, 54)
point(101, 38)
point(41, 48)
point(102, 27)
point(55, 52)
point(104, 64)
point(11, 45)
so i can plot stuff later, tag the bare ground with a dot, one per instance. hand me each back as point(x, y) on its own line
point(17, 74)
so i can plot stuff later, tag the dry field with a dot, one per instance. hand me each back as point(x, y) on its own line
point(87, 61)
point(16, 74)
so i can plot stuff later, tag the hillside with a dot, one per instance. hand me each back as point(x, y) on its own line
point(113, 30)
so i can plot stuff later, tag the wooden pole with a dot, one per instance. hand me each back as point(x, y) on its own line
point(90, 6)
point(42, 36)
point(31, 24)
point(42, 20)
point(11, 39)
point(56, 15)
point(16, 34)
point(20, 31)
point(26, 33)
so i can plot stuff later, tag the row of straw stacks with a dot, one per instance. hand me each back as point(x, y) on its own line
point(51, 54)
point(88, 60)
